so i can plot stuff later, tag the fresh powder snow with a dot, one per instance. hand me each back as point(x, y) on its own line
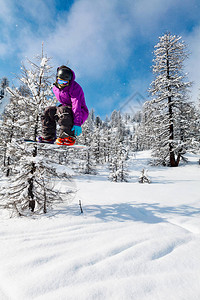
point(133, 241)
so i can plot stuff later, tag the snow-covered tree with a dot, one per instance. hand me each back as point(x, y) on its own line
point(10, 129)
point(118, 153)
point(196, 127)
point(118, 165)
point(30, 187)
point(144, 177)
point(87, 163)
point(3, 85)
point(170, 94)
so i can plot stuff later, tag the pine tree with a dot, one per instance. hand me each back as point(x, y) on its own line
point(118, 165)
point(30, 186)
point(195, 128)
point(96, 144)
point(170, 93)
point(10, 129)
point(3, 85)
point(87, 165)
point(144, 177)
point(118, 151)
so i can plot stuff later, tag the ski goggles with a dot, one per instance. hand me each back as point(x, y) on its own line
point(60, 81)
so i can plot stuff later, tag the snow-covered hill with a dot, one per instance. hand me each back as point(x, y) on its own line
point(133, 241)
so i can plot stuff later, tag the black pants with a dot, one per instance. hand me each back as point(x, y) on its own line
point(61, 114)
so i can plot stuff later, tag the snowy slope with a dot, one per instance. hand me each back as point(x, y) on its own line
point(133, 241)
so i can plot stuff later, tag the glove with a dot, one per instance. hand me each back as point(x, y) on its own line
point(77, 130)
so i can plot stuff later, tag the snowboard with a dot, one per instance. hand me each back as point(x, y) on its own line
point(47, 145)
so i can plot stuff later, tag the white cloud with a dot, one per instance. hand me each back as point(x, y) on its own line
point(3, 49)
point(94, 37)
point(98, 36)
point(6, 11)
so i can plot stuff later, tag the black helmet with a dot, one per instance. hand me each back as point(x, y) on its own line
point(64, 73)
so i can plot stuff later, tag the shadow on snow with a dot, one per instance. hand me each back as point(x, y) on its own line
point(143, 212)
point(122, 212)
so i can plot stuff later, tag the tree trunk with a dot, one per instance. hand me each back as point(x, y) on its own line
point(8, 168)
point(172, 159)
point(31, 195)
point(33, 169)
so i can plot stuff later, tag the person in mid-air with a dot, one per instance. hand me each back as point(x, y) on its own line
point(70, 114)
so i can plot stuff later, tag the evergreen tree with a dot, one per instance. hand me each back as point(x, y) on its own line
point(10, 129)
point(30, 187)
point(117, 152)
point(87, 165)
point(3, 85)
point(170, 93)
point(96, 144)
point(147, 135)
point(195, 128)
point(118, 165)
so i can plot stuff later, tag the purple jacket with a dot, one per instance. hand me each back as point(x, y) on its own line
point(73, 96)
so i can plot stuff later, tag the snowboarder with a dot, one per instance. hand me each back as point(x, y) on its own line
point(70, 114)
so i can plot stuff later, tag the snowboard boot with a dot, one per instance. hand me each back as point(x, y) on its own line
point(66, 140)
point(40, 139)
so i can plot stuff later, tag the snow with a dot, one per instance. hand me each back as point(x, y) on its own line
point(44, 62)
point(133, 241)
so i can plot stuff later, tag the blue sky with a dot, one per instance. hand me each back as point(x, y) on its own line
point(108, 43)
